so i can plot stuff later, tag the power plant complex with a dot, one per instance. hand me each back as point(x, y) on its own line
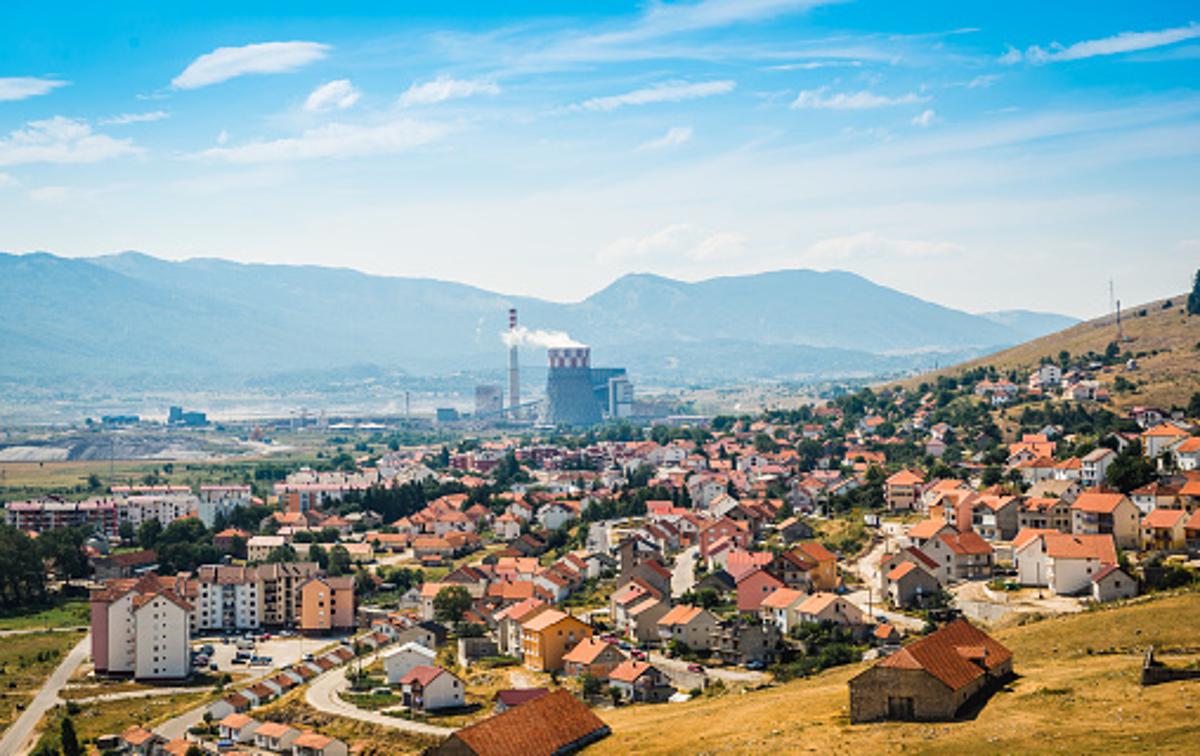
point(577, 394)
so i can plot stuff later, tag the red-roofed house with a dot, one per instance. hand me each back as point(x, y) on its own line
point(427, 688)
point(754, 587)
point(1162, 530)
point(690, 626)
point(1065, 563)
point(1104, 513)
point(909, 584)
point(902, 490)
point(930, 680)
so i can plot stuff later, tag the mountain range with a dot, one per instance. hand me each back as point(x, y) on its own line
point(131, 315)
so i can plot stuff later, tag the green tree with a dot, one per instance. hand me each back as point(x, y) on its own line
point(339, 561)
point(126, 532)
point(284, 553)
point(64, 547)
point(318, 555)
point(148, 533)
point(22, 574)
point(451, 603)
point(1193, 408)
point(590, 685)
point(68, 742)
point(1130, 470)
point(1193, 302)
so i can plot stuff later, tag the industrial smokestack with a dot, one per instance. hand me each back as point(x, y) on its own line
point(514, 374)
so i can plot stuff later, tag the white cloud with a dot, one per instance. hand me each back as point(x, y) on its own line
point(226, 63)
point(983, 81)
point(445, 88)
point(127, 118)
point(334, 140)
point(871, 245)
point(679, 242)
point(819, 100)
point(813, 65)
point(671, 91)
point(60, 140)
point(676, 135)
point(50, 194)
point(6, 180)
point(925, 119)
point(24, 87)
point(223, 137)
point(339, 94)
point(1115, 45)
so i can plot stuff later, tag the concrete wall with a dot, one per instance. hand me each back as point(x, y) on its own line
point(932, 700)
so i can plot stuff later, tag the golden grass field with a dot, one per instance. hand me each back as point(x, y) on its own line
point(1077, 692)
point(1167, 378)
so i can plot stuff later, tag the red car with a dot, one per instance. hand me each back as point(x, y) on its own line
point(695, 668)
point(639, 655)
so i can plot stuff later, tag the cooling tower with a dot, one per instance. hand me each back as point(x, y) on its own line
point(570, 399)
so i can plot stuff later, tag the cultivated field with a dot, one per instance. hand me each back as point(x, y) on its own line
point(1077, 692)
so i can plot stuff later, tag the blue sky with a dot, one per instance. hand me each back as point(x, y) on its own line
point(983, 156)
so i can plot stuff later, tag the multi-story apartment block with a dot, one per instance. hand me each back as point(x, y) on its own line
point(216, 500)
point(40, 515)
point(228, 598)
point(142, 627)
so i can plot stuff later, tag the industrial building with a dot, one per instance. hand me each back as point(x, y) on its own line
point(578, 394)
point(489, 400)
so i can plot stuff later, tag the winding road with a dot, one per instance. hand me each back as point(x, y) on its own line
point(323, 695)
point(16, 738)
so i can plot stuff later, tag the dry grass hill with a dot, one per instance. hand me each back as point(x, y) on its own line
point(1168, 372)
point(1077, 691)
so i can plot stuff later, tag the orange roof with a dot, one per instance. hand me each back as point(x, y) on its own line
point(1166, 430)
point(629, 670)
point(235, 721)
point(135, 735)
point(680, 614)
point(926, 528)
point(1025, 535)
point(816, 551)
point(901, 570)
point(587, 651)
point(969, 542)
point(817, 603)
point(273, 729)
point(939, 655)
point(1070, 546)
point(905, 478)
point(1164, 518)
point(781, 599)
point(548, 724)
point(1099, 502)
point(547, 619)
point(312, 740)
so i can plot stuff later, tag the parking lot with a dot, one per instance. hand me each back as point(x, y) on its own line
point(282, 651)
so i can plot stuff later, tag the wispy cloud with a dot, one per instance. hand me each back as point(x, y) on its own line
point(662, 19)
point(24, 87)
point(61, 140)
point(128, 118)
point(675, 136)
point(334, 140)
point(671, 91)
point(813, 65)
point(983, 81)
point(925, 119)
point(679, 242)
point(1124, 42)
point(225, 63)
point(872, 245)
point(6, 180)
point(818, 99)
point(339, 94)
point(446, 88)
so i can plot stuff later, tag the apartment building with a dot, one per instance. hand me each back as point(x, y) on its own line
point(49, 513)
point(142, 628)
point(228, 598)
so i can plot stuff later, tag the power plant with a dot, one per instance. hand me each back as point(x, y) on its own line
point(576, 393)
point(514, 372)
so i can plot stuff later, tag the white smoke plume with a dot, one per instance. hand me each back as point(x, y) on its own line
point(522, 336)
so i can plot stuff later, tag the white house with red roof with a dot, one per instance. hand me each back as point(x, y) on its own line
point(429, 688)
point(1063, 562)
point(1105, 512)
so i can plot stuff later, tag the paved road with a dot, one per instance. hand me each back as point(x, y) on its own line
point(683, 576)
point(126, 694)
point(178, 727)
point(16, 739)
point(28, 630)
point(323, 696)
point(677, 670)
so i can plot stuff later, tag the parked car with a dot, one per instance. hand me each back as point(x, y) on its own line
point(207, 649)
point(639, 655)
point(756, 665)
point(307, 657)
point(695, 668)
point(246, 644)
point(265, 637)
point(212, 667)
point(625, 645)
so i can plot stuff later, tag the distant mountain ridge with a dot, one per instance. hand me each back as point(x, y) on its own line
point(131, 314)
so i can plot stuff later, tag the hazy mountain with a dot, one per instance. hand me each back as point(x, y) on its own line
point(132, 315)
point(1029, 324)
